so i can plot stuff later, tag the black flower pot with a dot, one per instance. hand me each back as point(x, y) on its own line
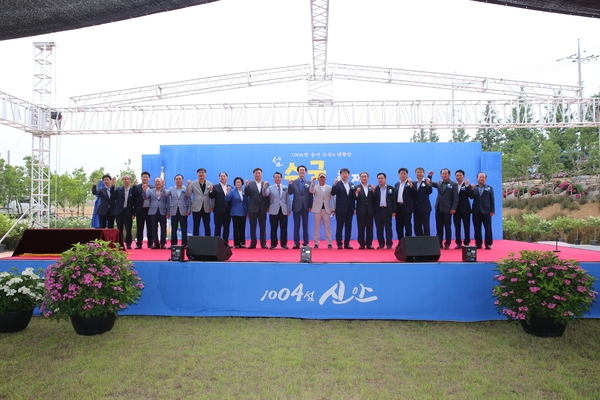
point(89, 326)
point(15, 321)
point(543, 327)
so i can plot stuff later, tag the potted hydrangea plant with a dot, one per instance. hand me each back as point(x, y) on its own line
point(20, 293)
point(542, 291)
point(90, 284)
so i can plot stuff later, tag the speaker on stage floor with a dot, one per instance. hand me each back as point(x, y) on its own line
point(418, 248)
point(207, 248)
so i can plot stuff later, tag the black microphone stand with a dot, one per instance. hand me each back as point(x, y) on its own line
point(556, 250)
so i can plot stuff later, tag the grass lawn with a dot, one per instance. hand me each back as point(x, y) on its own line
point(258, 358)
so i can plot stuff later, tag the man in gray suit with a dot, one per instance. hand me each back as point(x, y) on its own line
point(445, 206)
point(484, 208)
point(199, 192)
point(279, 209)
point(323, 207)
point(257, 208)
point(180, 209)
point(158, 211)
point(301, 206)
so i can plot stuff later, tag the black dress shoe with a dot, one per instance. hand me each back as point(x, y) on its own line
point(138, 246)
point(329, 246)
point(479, 247)
point(284, 247)
point(348, 247)
point(446, 247)
point(296, 246)
point(370, 247)
point(340, 247)
point(263, 246)
point(388, 247)
point(162, 246)
point(488, 247)
point(316, 246)
point(129, 247)
point(154, 247)
point(272, 248)
point(252, 246)
point(380, 247)
point(458, 246)
point(305, 244)
point(238, 247)
point(361, 247)
point(242, 246)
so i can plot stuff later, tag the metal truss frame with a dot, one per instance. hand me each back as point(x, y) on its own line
point(320, 85)
point(338, 115)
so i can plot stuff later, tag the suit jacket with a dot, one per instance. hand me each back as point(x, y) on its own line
point(238, 205)
point(365, 201)
point(218, 197)
point(105, 199)
point(344, 202)
point(200, 199)
point(391, 199)
point(301, 197)
point(421, 195)
point(256, 201)
point(322, 197)
point(160, 205)
point(447, 198)
point(484, 202)
point(118, 205)
point(275, 200)
point(139, 198)
point(408, 196)
point(178, 200)
point(464, 194)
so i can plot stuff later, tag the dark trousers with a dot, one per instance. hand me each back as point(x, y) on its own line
point(181, 221)
point(443, 224)
point(142, 218)
point(222, 223)
point(106, 221)
point(480, 219)
point(383, 222)
point(365, 229)
point(159, 219)
point(403, 221)
point(261, 218)
point(466, 223)
point(205, 217)
point(239, 231)
point(279, 220)
point(422, 223)
point(343, 222)
point(301, 216)
point(125, 222)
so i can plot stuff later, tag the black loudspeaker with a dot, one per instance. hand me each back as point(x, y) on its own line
point(207, 248)
point(469, 254)
point(418, 248)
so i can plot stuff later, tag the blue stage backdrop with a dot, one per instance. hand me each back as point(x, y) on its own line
point(241, 159)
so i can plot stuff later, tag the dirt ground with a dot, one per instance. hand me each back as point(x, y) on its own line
point(585, 210)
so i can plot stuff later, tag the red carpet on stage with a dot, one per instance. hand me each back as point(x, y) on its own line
point(500, 249)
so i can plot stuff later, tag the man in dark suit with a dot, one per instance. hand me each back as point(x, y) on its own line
point(484, 209)
point(422, 188)
point(105, 215)
point(142, 218)
point(405, 204)
point(445, 206)
point(301, 205)
point(221, 215)
point(463, 211)
point(365, 212)
point(123, 209)
point(385, 210)
point(344, 208)
point(257, 208)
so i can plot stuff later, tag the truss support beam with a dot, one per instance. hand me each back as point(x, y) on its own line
point(39, 199)
point(320, 86)
point(440, 80)
point(194, 86)
point(343, 115)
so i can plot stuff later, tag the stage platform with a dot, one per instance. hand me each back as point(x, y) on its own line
point(338, 284)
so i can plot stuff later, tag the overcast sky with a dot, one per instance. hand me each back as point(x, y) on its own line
point(231, 36)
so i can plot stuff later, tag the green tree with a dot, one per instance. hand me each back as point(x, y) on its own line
point(127, 170)
point(523, 160)
point(490, 138)
point(549, 159)
point(14, 183)
point(460, 135)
